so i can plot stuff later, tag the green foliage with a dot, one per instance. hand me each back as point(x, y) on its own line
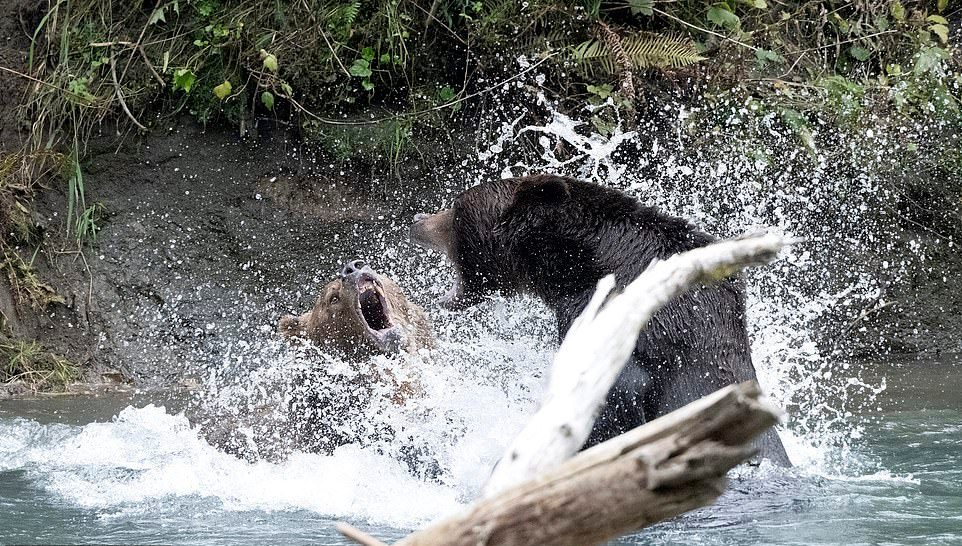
point(81, 219)
point(767, 56)
point(386, 140)
point(339, 59)
point(21, 175)
point(721, 15)
point(183, 80)
point(642, 7)
point(223, 90)
point(267, 99)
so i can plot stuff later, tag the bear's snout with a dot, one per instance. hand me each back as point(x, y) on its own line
point(434, 231)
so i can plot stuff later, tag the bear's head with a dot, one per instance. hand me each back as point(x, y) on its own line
point(361, 313)
point(494, 231)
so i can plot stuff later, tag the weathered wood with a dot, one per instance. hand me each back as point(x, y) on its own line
point(657, 471)
point(599, 343)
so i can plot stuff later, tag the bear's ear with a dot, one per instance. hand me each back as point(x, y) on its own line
point(542, 189)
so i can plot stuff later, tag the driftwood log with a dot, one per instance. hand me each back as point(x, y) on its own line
point(654, 472)
point(657, 471)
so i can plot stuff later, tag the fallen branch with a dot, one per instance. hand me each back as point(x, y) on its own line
point(120, 95)
point(358, 535)
point(140, 49)
point(655, 472)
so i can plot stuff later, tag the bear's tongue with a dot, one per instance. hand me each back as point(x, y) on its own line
point(372, 309)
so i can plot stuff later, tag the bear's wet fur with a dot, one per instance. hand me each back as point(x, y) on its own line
point(555, 237)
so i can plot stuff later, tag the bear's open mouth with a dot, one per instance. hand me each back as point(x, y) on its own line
point(372, 305)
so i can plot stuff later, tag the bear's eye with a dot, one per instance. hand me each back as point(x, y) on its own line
point(333, 299)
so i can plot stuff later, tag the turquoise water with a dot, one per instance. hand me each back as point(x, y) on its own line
point(126, 469)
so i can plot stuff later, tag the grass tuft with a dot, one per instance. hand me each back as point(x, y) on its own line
point(28, 363)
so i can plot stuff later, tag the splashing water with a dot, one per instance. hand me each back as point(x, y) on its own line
point(729, 186)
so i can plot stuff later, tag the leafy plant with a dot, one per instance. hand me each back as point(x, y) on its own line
point(642, 50)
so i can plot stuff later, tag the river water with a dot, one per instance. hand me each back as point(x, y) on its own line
point(123, 469)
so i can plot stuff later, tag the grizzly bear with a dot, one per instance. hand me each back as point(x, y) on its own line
point(555, 237)
point(361, 313)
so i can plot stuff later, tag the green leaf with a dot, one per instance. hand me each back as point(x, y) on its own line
point(842, 23)
point(367, 85)
point(184, 79)
point(361, 68)
point(268, 99)
point(157, 16)
point(78, 88)
point(942, 4)
point(722, 16)
point(897, 10)
point(930, 60)
point(223, 90)
point(385, 58)
point(205, 7)
point(941, 31)
point(286, 88)
point(601, 91)
point(642, 49)
point(446, 94)
point(270, 61)
point(368, 54)
point(643, 7)
point(765, 56)
point(937, 19)
point(859, 53)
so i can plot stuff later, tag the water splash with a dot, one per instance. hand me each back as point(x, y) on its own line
point(731, 169)
point(146, 454)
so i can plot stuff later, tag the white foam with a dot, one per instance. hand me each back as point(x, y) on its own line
point(146, 454)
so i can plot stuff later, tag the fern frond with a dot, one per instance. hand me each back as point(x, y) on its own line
point(350, 11)
point(642, 50)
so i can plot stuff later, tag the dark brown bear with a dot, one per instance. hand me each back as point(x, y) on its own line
point(555, 237)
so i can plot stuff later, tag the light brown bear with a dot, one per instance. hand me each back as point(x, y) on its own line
point(361, 313)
